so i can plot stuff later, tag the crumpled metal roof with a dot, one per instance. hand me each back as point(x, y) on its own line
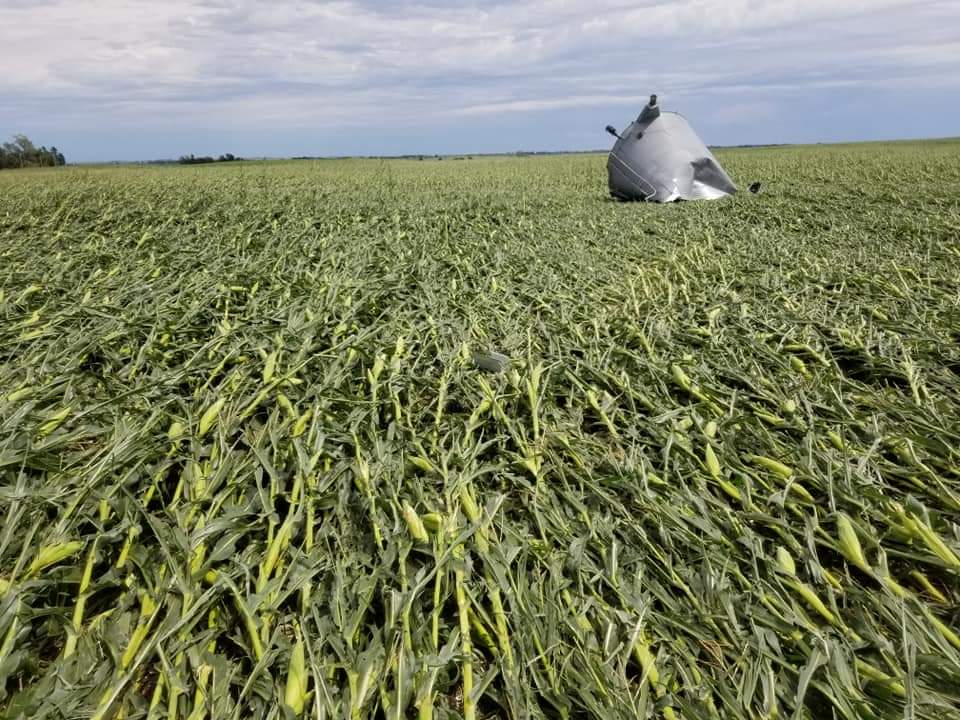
point(660, 158)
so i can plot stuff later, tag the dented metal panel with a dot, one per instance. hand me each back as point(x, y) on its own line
point(660, 158)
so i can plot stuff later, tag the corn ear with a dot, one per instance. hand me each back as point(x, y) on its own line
point(785, 561)
point(850, 543)
point(210, 417)
point(680, 377)
point(54, 421)
point(774, 466)
point(877, 675)
point(935, 543)
point(414, 524)
point(295, 693)
point(433, 522)
point(269, 367)
point(300, 426)
point(52, 554)
point(713, 465)
point(814, 601)
point(21, 394)
point(176, 430)
point(929, 587)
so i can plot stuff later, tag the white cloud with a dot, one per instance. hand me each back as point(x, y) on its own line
point(296, 62)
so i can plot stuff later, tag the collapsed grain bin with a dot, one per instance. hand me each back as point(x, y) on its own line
point(661, 159)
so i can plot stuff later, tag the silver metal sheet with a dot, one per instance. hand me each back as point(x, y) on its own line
point(660, 158)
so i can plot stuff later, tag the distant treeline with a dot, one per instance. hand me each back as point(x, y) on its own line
point(194, 160)
point(23, 153)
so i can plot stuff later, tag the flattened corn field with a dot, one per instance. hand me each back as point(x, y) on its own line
point(250, 468)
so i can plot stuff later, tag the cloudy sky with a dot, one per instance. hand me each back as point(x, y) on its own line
point(141, 79)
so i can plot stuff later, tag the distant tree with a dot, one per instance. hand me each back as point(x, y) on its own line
point(12, 156)
point(192, 159)
point(199, 160)
point(23, 144)
point(23, 153)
